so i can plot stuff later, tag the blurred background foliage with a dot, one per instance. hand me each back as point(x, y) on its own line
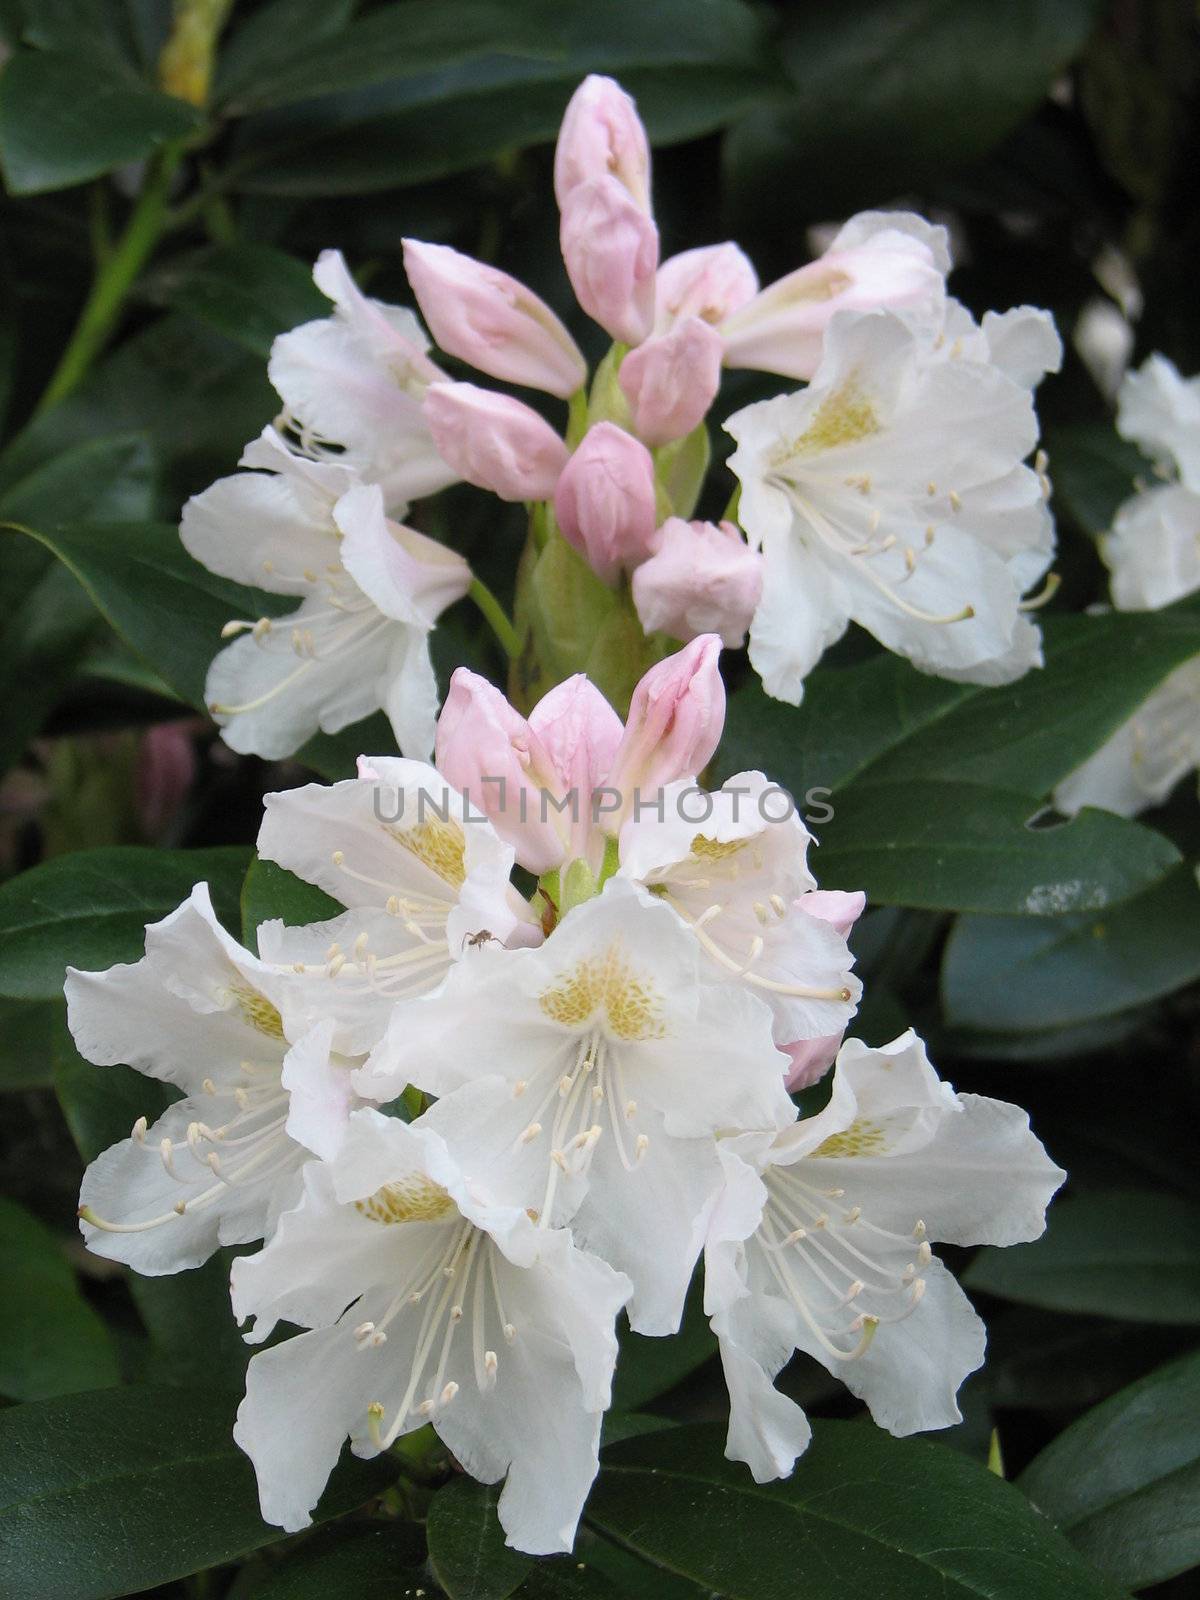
point(1059, 140)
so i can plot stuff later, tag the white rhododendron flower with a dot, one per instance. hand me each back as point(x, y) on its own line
point(821, 1242)
point(371, 591)
point(428, 1302)
point(1153, 554)
point(1159, 409)
point(618, 1064)
point(424, 879)
point(262, 1093)
point(353, 385)
point(892, 492)
point(737, 877)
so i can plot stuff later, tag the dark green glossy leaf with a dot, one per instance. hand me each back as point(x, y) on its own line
point(90, 909)
point(863, 1513)
point(693, 66)
point(1123, 1483)
point(168, 607)
point(962, 847)
point(67, 116)
point(114, 1491)
point(647, 1368)
point(1039, 972)
point(564, 1578)
point(197, 396)
point(1028, 736)
point(272, 891)
point(101, 1104)
point(252, 51)
point(51, 1341)
point(26, 1030)
point(248, 292)
point(341, 1563)
point(466, 1544)
point(879, 721)
point(936, 84)
point(426, 36)
point(335, 755)
point(99, 480)
point(1122, 1254)
point(1094, 470)
point(194, 1341)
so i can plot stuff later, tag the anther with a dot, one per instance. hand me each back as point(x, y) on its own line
point(853, 1214)
point(209, 1086)
point(490, 1363)
point(139, 1130)
point(338, 857)
point(374, 1418)
point(519, 1088)
point(449, 1392)
point(392, 906)
point(531, 1132)
point(640, 1145)
point(925, 1254)
point(166, 1152)
point(631, 1108)
point(918, 1229)
point(955, 500)
point(564, 1085)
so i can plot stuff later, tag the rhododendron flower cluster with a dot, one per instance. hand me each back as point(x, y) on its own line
point(891, 491)
point(1153, 553)
point(536, 1071)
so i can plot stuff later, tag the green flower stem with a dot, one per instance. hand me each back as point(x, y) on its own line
point(114, 279)
point(496, 617)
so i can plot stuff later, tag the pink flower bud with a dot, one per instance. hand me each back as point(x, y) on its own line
point(492, 756)
point(602, 133)
point(781, 330)
point(580, 733)
point(605, 501)
point(674, 725)
point(812, 1058)
point(701, 579)
point(710, 283)
point(494, 441)
point(671, 381)
point(610, 247)
point(492, 321)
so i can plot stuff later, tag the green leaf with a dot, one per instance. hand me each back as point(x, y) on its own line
point(466, 1544)
point(341, 1563)
point(1029, 735)
point(196, 396)
point(194, 1341)
point(26, 1029)
point(51, 1341)
point(254, 48)
point(68, 116)
point(100, 480)
point(936, 84)
point(168, 607)
point(880, 721)
point(647, 1368)
point(248, 292)
point(1123, 1483)
point(863, 1513)
point(1094, 470)
point(1120, 1254)
point(115, 1491)
point(693, 66)
point(564, 1578)
point(427, 36)
point(101, 1104)
point(272, 891)
point(90, 909)
point(961, 847)
point(1040, 972)
point(45, 641)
